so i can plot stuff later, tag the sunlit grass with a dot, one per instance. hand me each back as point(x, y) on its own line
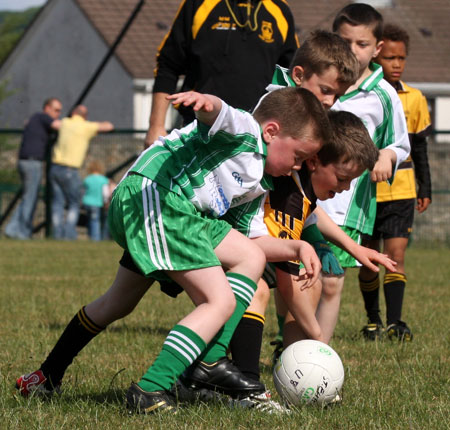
point(44, 283)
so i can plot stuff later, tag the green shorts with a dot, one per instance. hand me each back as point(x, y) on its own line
point(344, 258)
point(162, 231)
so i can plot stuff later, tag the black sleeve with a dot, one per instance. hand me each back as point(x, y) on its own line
point(172, 58)
point(291, 43)
point(419, 155)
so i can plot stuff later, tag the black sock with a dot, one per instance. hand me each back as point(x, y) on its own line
point(370, 293)
point(246, 343)
point(394, 288)
point(78, 333)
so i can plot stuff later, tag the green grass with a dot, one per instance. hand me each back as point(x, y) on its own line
point(44, 283)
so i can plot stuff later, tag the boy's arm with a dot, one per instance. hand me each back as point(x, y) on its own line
point(364, 255)
point(285, 250)
point(419, 156)
point(395, 146)
point(206, 106)
point(382, 171)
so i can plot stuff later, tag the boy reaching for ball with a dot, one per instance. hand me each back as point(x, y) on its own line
point(190, 178)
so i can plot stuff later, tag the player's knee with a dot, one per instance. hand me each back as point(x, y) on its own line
point(255, 262)
point(331, 286)
point(259, 260)
point(227, 305)
point(399, 257)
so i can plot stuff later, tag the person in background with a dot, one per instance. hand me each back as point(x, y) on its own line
point(32, 154)
point(96, 195)
point(228, 48)
point(68, 156)
point(395, 203)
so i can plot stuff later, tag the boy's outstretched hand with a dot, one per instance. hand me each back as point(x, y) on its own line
point(198, 101)
point(368, 256)
point(206, 106)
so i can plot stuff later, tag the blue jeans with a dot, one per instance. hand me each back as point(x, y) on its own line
point(94, 214)
point(21, 224)
point(65, 184)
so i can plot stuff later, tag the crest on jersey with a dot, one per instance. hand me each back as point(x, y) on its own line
point(266, 32)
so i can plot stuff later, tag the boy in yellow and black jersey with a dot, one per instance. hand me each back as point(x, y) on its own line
point(286, 209)
point(293, 200)
point(395, 203)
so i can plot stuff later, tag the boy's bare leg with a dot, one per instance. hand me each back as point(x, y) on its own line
point(302, 305)
point(330, 300)
point(209, 289)
point(121, 298)
point(395, 248)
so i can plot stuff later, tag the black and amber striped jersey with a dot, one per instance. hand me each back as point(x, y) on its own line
point(228, 48)
point(286, 209)
point(419, 127)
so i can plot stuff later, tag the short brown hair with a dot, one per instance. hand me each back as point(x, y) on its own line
point(396, 33)
point(350, 142)
point(96, 166)
point(295, 109)
point(323, 49)
point(360, 14)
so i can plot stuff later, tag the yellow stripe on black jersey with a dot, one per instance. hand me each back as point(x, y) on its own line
point(286, 208)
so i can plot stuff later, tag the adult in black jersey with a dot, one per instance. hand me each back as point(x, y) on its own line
point(228, 48)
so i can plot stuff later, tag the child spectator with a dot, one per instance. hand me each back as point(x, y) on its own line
point(96, 195)
point(164, 213)
point(395, 203)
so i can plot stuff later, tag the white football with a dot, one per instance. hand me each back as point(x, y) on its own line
point(308, 372)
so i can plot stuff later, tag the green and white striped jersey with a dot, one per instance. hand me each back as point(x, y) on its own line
point(215, 168)
point(377, 104)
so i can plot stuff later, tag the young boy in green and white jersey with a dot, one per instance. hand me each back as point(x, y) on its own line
point(373, 100)
point(164, 213)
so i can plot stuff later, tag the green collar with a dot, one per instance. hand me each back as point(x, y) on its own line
point(281, 77)
point(369, 83)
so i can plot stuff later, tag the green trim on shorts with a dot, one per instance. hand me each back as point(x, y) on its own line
point(344, 258)
point(162, 231)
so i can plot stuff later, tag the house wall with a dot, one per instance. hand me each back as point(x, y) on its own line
point(142, 106)
point(442, 106)
point(57, 57)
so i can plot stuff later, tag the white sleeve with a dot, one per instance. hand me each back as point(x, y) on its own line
point(400, 145)
point(312, 219)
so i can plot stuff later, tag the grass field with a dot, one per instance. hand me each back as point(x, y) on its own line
point(44, 283)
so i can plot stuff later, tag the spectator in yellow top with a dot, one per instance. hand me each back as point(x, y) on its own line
point(68, 156)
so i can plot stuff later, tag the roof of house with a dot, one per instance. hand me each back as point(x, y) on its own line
point(425, 21)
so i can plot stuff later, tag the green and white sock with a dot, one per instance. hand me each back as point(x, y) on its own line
point(244, 289)
point(181, 348)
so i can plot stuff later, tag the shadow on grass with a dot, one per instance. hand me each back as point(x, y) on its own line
point(163, 331)
point(112, 396)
